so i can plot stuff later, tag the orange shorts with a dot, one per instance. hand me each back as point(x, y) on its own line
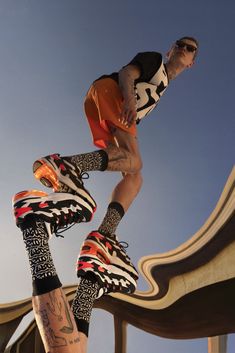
point(103, 105)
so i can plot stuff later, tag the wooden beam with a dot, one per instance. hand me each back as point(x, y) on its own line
point(217, 344)
point(120, 331)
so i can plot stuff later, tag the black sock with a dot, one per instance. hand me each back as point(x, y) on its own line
point(42, 268)
point(97, 160)
point(82, 305)
point(112, 218)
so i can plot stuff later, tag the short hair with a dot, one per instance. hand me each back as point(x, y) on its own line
point(193, 40)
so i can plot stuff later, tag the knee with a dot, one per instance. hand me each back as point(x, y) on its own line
point(137, 165)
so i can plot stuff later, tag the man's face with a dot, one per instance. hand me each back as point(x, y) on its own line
point(183, 52)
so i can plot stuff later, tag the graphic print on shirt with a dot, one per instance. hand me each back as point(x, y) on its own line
point(149, 94)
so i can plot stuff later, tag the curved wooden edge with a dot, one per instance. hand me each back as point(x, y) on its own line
point(214, 228)
point(11, 311)
point(198, 314)
point(206, 312)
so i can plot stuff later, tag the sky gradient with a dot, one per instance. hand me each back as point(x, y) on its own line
point(51, 51)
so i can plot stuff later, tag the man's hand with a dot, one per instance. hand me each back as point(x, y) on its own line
point(128, 114)
point(127, 77)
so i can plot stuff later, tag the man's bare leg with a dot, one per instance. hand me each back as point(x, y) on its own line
point(56, 323)
point(53, 315)
point(125, 157)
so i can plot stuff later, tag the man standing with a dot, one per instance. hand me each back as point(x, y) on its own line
point(114, 106)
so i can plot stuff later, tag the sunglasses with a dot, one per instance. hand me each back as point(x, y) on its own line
point(181, 44)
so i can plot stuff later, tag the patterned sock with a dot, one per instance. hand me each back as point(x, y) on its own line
point(113, 216)
point(42, 268)
point(83, 302)
point(97, 160)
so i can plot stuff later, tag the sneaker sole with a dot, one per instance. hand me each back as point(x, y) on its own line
point(28, 193)
point(46, 175)
point(109, 276)
point(22, 207)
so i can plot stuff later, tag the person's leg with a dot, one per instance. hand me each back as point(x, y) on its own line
point(103, 106)
point(87, 292)
point(112, 158)
point(53, 315)
point(39, 215)
point(124, 156)
point(56, 323)
point(121, 157)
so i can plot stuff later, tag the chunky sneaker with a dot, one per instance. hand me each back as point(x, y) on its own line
point(54, 172)
point(59, 211)
point(107, 259)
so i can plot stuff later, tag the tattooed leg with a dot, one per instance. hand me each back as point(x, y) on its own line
point(56, 323)
point(124, 155)
point(54, 318)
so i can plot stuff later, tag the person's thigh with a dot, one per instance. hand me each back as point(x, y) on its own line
point(108, 100)
point(125, 140)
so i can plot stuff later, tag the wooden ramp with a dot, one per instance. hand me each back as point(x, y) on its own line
point(190, 294)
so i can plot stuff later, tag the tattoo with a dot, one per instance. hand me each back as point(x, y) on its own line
point(58, 308)
point(67, 329)
point(119, 159)
point(127, 81)
point(53, 340)
point(55, 307)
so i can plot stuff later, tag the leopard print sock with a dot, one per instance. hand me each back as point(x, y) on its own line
point(113, 216)
point(97, 160)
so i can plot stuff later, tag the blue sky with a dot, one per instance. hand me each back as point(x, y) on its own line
point(51, 51)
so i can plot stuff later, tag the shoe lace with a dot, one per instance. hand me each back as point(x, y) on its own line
point(124, 245)
point(65, 222)
point(66, 188)
point(58, 234)
point(85, 175)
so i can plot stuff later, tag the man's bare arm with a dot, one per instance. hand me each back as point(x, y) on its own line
point(127, 77)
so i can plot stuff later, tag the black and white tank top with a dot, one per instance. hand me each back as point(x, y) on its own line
point(152, 83)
